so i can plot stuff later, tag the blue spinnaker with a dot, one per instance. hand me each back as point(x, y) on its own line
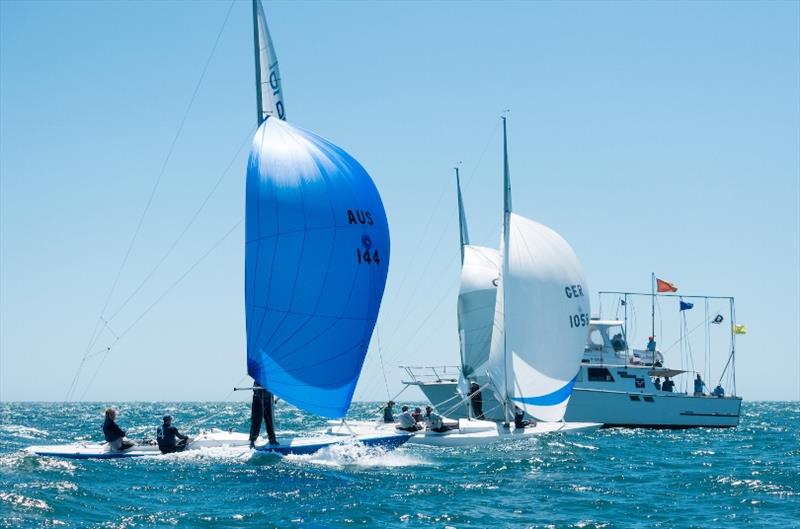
point(316, 258)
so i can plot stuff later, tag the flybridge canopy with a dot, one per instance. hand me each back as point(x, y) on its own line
point(650, 294)
point(606, 323)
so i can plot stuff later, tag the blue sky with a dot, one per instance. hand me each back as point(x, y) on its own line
point(653, 136)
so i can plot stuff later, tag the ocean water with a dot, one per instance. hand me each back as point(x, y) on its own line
point(743, 477)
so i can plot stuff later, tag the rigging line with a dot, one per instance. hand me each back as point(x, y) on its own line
point(444, 227)
point(161, 297)
point(407, 342)
point(182, 277)
point(673, 344)
point(186, 228)
point(95, 333)
point(170, 150)
point(380, 355)
point(204, 419)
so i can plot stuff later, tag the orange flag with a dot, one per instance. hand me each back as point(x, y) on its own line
point(665, 286)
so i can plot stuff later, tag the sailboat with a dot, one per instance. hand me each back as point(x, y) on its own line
point(316, 261)
point(523, 317)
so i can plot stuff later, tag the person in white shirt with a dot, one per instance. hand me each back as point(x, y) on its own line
point(406, 421)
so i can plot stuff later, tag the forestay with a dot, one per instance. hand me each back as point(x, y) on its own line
point(316, 258)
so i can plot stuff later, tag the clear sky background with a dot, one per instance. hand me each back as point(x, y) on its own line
point(654, 136)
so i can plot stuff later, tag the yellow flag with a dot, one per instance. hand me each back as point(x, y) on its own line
point(739, 328)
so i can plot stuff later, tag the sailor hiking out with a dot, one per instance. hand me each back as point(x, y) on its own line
point(115, 436)
point(167, 437)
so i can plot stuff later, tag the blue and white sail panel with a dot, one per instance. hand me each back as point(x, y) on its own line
point(476, 305)
point(316, 259)
point(268, 76)
point(545, 320)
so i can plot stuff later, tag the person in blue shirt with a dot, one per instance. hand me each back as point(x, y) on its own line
point(698, 386)
point(718, 391)
point(167, 435)
point(115, 436)
point(651, 344)
point(388, 416)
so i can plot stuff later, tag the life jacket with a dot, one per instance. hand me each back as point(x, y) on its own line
point(165, 437)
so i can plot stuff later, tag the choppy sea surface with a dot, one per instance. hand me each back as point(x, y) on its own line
point(743, 477)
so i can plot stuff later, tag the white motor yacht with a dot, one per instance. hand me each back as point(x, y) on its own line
point(615, 386)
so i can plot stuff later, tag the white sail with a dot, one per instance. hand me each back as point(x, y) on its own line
point(268, 77)
point(541, 332)
point(476, 305)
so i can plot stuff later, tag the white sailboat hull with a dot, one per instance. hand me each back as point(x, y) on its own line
point(653, 409)
point(468, 432)
point(86, 450)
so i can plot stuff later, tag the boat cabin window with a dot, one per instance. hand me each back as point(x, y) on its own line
point(599, 374)
point(595, 340)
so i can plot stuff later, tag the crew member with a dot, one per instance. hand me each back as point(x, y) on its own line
point(519, 418)
point(261, 409)
point(115, 436)
point(388, 416)
point(476, 400)
point(166, 436)
point(668, 385)
point(698, 386)
point(434, 421)
point(657, 383)
point(406, 421)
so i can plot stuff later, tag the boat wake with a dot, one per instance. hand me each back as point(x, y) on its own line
point(357, 455)
point(211, 453)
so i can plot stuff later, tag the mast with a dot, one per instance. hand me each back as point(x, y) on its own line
point(462, 219)
point(653, 305)
point(506, 222)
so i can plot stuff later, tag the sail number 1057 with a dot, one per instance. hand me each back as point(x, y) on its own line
point(578, 320)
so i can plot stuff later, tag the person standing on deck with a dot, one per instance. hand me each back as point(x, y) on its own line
point(698, 386)
point(476, 400)
point(261, 408)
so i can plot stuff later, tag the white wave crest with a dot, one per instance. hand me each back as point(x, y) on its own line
point(25, 432)
point(357, 455)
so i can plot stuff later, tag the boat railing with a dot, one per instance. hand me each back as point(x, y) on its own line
point(423, 374)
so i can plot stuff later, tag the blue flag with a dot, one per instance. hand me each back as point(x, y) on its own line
point(686, 306)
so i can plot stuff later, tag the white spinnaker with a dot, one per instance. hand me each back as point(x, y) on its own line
point(541, 320)
point(476, 304)
point(269, 77)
